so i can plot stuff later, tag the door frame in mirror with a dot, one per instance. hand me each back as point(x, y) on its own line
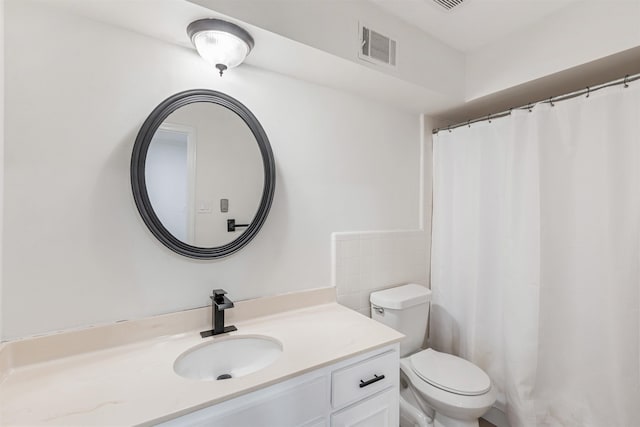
point(138, 179)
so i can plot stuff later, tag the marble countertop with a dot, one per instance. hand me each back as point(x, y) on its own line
point(134, 383)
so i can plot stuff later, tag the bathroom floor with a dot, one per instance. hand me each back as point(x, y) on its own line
point(485, 423)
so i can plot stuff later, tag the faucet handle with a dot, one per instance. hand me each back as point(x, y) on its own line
point(220, 301)
point(218, 295)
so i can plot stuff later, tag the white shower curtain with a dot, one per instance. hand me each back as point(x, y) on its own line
point(536, 260)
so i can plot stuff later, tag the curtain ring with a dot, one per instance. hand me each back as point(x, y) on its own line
point(588, 91)
point(626, 85)
point(551, 101)
point(489, 118)
point(530, 107)
point(449, 128)
point(469, 123)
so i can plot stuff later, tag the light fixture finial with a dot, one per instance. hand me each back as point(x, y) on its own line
point(221, 68)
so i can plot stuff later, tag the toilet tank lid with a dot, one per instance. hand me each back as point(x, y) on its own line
point(401, 296)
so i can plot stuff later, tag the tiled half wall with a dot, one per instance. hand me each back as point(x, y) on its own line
point(363, 262)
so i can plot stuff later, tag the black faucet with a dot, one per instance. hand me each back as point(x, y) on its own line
point(220, 304)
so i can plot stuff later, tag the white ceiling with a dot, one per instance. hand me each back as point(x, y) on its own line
point(474, 23)
point(167, 20)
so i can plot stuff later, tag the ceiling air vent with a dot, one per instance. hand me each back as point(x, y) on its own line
point(449, 4)
point(376, 47)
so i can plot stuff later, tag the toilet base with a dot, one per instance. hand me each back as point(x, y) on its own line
point(408, 418)
point(411, 414)
point(443, 421)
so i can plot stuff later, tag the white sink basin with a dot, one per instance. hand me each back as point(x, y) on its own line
point(231, 357)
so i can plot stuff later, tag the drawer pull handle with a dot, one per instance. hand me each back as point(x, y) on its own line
point(371, 381)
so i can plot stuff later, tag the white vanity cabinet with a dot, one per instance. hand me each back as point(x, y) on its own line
point(360, 391)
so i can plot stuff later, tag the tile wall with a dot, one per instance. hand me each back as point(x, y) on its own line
point(363, 262)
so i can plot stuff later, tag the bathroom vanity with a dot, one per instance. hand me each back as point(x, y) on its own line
point(336, 368)
point(361, 389)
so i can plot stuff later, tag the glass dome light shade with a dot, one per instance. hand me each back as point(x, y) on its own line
point(217, 47)
point(222, 44)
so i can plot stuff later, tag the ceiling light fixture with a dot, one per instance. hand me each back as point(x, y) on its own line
point(222, 44)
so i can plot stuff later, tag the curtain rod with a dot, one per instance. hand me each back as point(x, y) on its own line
point(622, 81)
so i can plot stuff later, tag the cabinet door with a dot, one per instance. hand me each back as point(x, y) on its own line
point(320, 422)
point(380, 410)
point(303, 403)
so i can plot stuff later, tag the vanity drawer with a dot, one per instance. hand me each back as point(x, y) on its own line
point(364, 378)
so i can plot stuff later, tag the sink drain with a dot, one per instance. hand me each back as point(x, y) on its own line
point(223, 377)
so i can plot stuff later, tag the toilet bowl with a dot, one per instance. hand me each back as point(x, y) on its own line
point(437, 389)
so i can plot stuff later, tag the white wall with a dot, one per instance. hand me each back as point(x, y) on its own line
point(77, 253)
point(1, 147)
point(568, 38)
point(368, 261)
point(332, 26)
point(371, 261)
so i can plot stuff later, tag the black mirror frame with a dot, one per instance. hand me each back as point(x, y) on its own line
point(138, 181)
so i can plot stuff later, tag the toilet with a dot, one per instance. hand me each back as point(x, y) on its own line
point(437, 389)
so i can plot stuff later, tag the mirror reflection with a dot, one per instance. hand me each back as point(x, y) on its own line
point(204, 174)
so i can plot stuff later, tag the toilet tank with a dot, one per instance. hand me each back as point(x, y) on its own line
point(405, 309)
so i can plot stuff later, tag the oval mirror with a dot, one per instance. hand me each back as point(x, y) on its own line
point(202, 174)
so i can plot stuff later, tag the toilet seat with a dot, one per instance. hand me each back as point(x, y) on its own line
point(450, 373)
